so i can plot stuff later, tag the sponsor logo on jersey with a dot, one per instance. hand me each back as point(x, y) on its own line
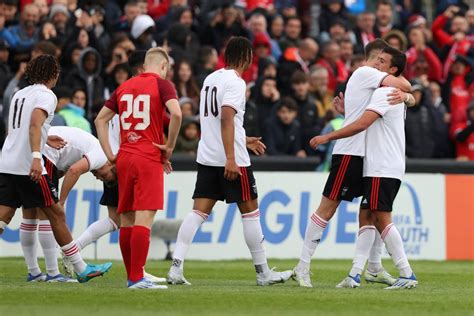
point(133, 137)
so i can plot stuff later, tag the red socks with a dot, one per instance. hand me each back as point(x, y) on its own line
point(124, 240)
point(140, 243)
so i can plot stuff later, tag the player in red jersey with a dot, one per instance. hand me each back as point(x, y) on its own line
point(140, 103)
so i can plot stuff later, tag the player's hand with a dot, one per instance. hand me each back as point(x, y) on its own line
point(397, 96)
point(338, 103)
point(56, 142)
point(451, 11)
point(166, 151)
point(36, 170)
point(318, 140)
point(231, 170)
point(167, 167)
point(255, 145)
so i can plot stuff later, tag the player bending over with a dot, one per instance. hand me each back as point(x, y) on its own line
point(345, 177)
point(384, 168)
point(140, 103)
point(224, 171)
point(23, 177)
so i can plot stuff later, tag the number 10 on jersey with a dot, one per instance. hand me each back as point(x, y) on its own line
point(133, 110)
point(214, 108)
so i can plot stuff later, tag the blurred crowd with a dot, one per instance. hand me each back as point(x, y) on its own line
point(304, 52)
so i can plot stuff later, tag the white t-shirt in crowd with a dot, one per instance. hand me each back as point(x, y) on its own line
point(16, 152)
point(385, 139)
point(222, 88)
point(79, 144)
point(359, 90)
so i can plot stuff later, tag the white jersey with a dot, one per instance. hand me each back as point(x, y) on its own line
point(114, 134)
point(222, 88)
point(79, 144)
point(16, 152)
point(385, 151)
point(359, 89)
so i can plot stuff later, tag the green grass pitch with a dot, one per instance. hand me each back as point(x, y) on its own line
point(228, 288)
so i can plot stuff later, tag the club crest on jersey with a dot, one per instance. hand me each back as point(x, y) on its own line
point(132, 137)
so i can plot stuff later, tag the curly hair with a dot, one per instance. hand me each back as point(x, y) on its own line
point(42, 69)
point(238, 52)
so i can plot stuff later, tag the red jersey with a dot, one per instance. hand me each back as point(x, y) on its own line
point(466, 148)
point(140, 104)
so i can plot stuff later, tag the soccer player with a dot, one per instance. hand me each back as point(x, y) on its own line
point(224, 171)
point(23, 178)
point(345, 177)
point(140, 103)
point(82, 153)
point(384, 167)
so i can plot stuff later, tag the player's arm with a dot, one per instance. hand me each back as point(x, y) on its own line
point(71, 177)
point(356, 127)
point(175, 124)
point(231, 171)
point(38, 117)
point(102, 126)
point(397, 96)
point(254, 144)
point(397, 82)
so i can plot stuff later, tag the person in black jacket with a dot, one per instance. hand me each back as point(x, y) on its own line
point(282, 131)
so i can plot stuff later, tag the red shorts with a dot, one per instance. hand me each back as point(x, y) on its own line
point(140, 182)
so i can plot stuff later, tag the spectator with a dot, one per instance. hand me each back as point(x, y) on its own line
point(365, 31)
point(142, 32)
point(207, 63)
point(277, 27)
point(396, 39)
point(258, 24)
point(9, 9)
point(319, 79)
point(294, 59)
point(251, 119)
point(292, 34)
point(332, 10)
point(441, 119)
point(267, 67)
point(86, 76)
point(384, 16)
point(184, 81)
point(261, 49)
point(331, 60)
point(282, 134)
point(63, 94)
point(309, 118)
point(178, 38)
point(338, 32)
point(188, 138)
point(57, 26)
point(5, 71)
point(347, 53)
point(188, 107)
point(266, 97)
point(464, 136)
point(21, 38)
point(470, 20)
point(43, 9)
point(120, 74)
point(74, 112)
point(131, 10)
point(418, 49)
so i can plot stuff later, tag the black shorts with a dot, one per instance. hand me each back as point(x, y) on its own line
point(52, 171)
point(110, 196)
point(211, 184)
point(345, 178)
point(16, 191)
point(379, 193)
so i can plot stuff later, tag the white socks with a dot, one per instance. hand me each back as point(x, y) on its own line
point(28, 228)
point(375, 258)
point(364, 243)
point(312, 237)
point(188, 229)
point(95, 231)
point(49, 246)
point(393, 242)
point(72, 252)
point(254, 238)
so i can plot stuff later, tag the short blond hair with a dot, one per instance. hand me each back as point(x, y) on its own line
point(155, 55)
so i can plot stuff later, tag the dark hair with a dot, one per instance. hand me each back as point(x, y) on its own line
point(136, 59)
point(204, 54)
point(357, 59)
point(63, 92)
point(399, 59)
point(46, 48)
point(42, 69)
point(124, 67)
point(376, 44)
point(192, 88)
point(293, 17)
point(289, 103)
point(383, 2)
point(299, 77)
point(238, 52)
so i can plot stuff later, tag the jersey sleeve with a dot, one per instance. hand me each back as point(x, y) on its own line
point(369, 78)
point(378, 102)
point(96, 158)
point(111, 103)
point(234, 95)
point(47, 102)
point(167, 91)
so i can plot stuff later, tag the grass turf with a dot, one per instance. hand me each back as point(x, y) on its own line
point(228, 287)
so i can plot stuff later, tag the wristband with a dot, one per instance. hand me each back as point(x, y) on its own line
point(37, 155)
